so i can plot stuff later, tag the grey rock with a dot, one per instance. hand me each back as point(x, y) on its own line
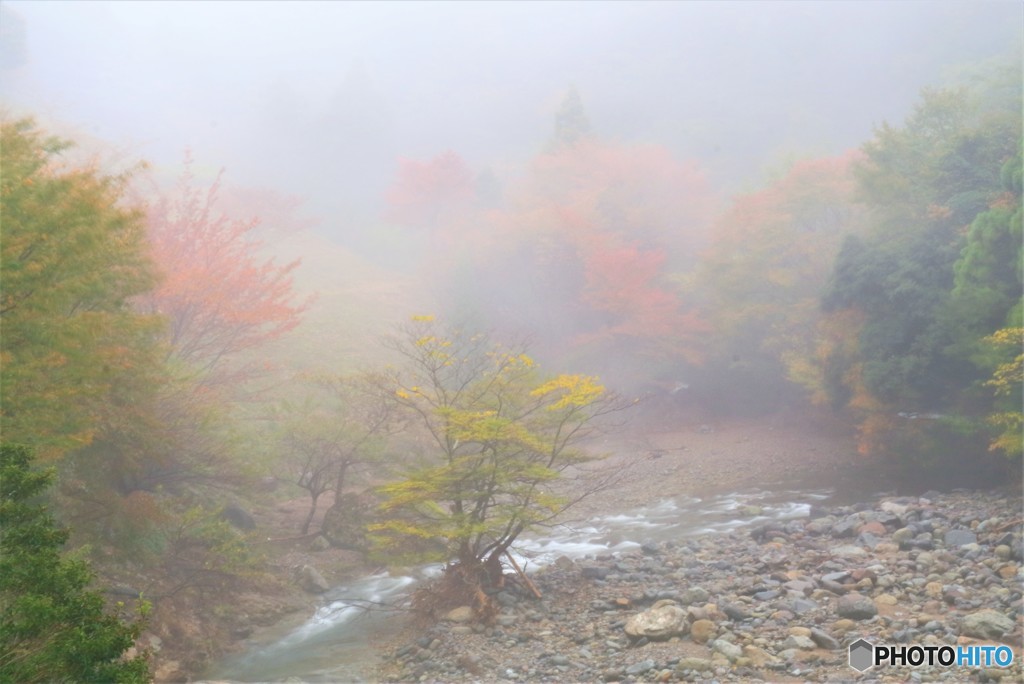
point(802, 605)
point(799, 642)
point(867, 539)
point(726, 648)
point(847, 527)
point(693, 595)
point(693, 664)
point(848, 551)
point(594, 571)
point(733, 611)
point(662, 621)
point(824, 639)
point(309, 579)
point(856, 607)
point(986, 624)
point(954, 538)
point(641, 667)
point(238, 516)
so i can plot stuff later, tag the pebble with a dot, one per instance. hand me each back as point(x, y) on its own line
point(940, 570)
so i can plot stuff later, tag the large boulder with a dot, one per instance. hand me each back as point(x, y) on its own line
point(345, 522)
point(664, 620)
point(310, 579)
point(986, 624)
point(238, 516)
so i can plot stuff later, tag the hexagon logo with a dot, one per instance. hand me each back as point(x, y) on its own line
point(862, 655)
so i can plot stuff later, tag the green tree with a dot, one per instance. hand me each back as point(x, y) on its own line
point(52, 628)
point(500, 438)
point(934, 274)
point(71, 260)
point(571, 122)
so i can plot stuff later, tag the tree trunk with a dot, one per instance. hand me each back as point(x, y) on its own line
point(339, 483)
point(312, 512)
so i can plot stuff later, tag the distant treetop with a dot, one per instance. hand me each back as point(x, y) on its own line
point(571, 122)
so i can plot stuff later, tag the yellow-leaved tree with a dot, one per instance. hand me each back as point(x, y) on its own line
point(501, 437)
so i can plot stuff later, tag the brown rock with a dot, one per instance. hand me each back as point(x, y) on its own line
point(843, 625)
point(701, 631)
point(758, 656)
point(874, 527)
point(860, 574)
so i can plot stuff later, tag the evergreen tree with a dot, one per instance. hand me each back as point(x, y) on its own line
point(571, 122)
point(52, 628)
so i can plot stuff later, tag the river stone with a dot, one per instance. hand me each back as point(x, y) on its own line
point(663, 620)
point(693, 595)
point(824, 639)
point(1003, 552)
point(800, 642)
point(959, 538)
point(847, 527)
point(986, 624)
point(726, 648)
point(641, 667)
point(460, 614)
point(733, 611)
point(844, 625)
point(848, 551)
point(799, 606)
point(311, 580)
point(758, 656)
point(701, 631)
point(856, 607)
point(691, 663)
point(903, 535)
point(594, 571)
point(894, 508)
point(872, 527)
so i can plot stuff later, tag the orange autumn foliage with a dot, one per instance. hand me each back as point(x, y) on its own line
point(219, 295)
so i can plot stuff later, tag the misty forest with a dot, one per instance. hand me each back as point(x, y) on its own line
point(492, 341)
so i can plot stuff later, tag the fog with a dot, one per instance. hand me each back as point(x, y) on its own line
point(325, 102)
point(320, 99)
point(460, 266)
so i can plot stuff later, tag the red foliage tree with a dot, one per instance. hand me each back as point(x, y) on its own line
point(427, 193)
point(218, 294)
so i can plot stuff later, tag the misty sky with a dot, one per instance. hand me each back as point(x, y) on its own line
point(321, 98)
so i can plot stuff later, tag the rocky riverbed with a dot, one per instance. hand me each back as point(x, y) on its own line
point(777, 602)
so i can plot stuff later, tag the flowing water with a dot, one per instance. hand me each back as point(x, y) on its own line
point(338, 642)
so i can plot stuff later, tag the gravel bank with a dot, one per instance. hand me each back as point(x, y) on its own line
point(780, 602)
